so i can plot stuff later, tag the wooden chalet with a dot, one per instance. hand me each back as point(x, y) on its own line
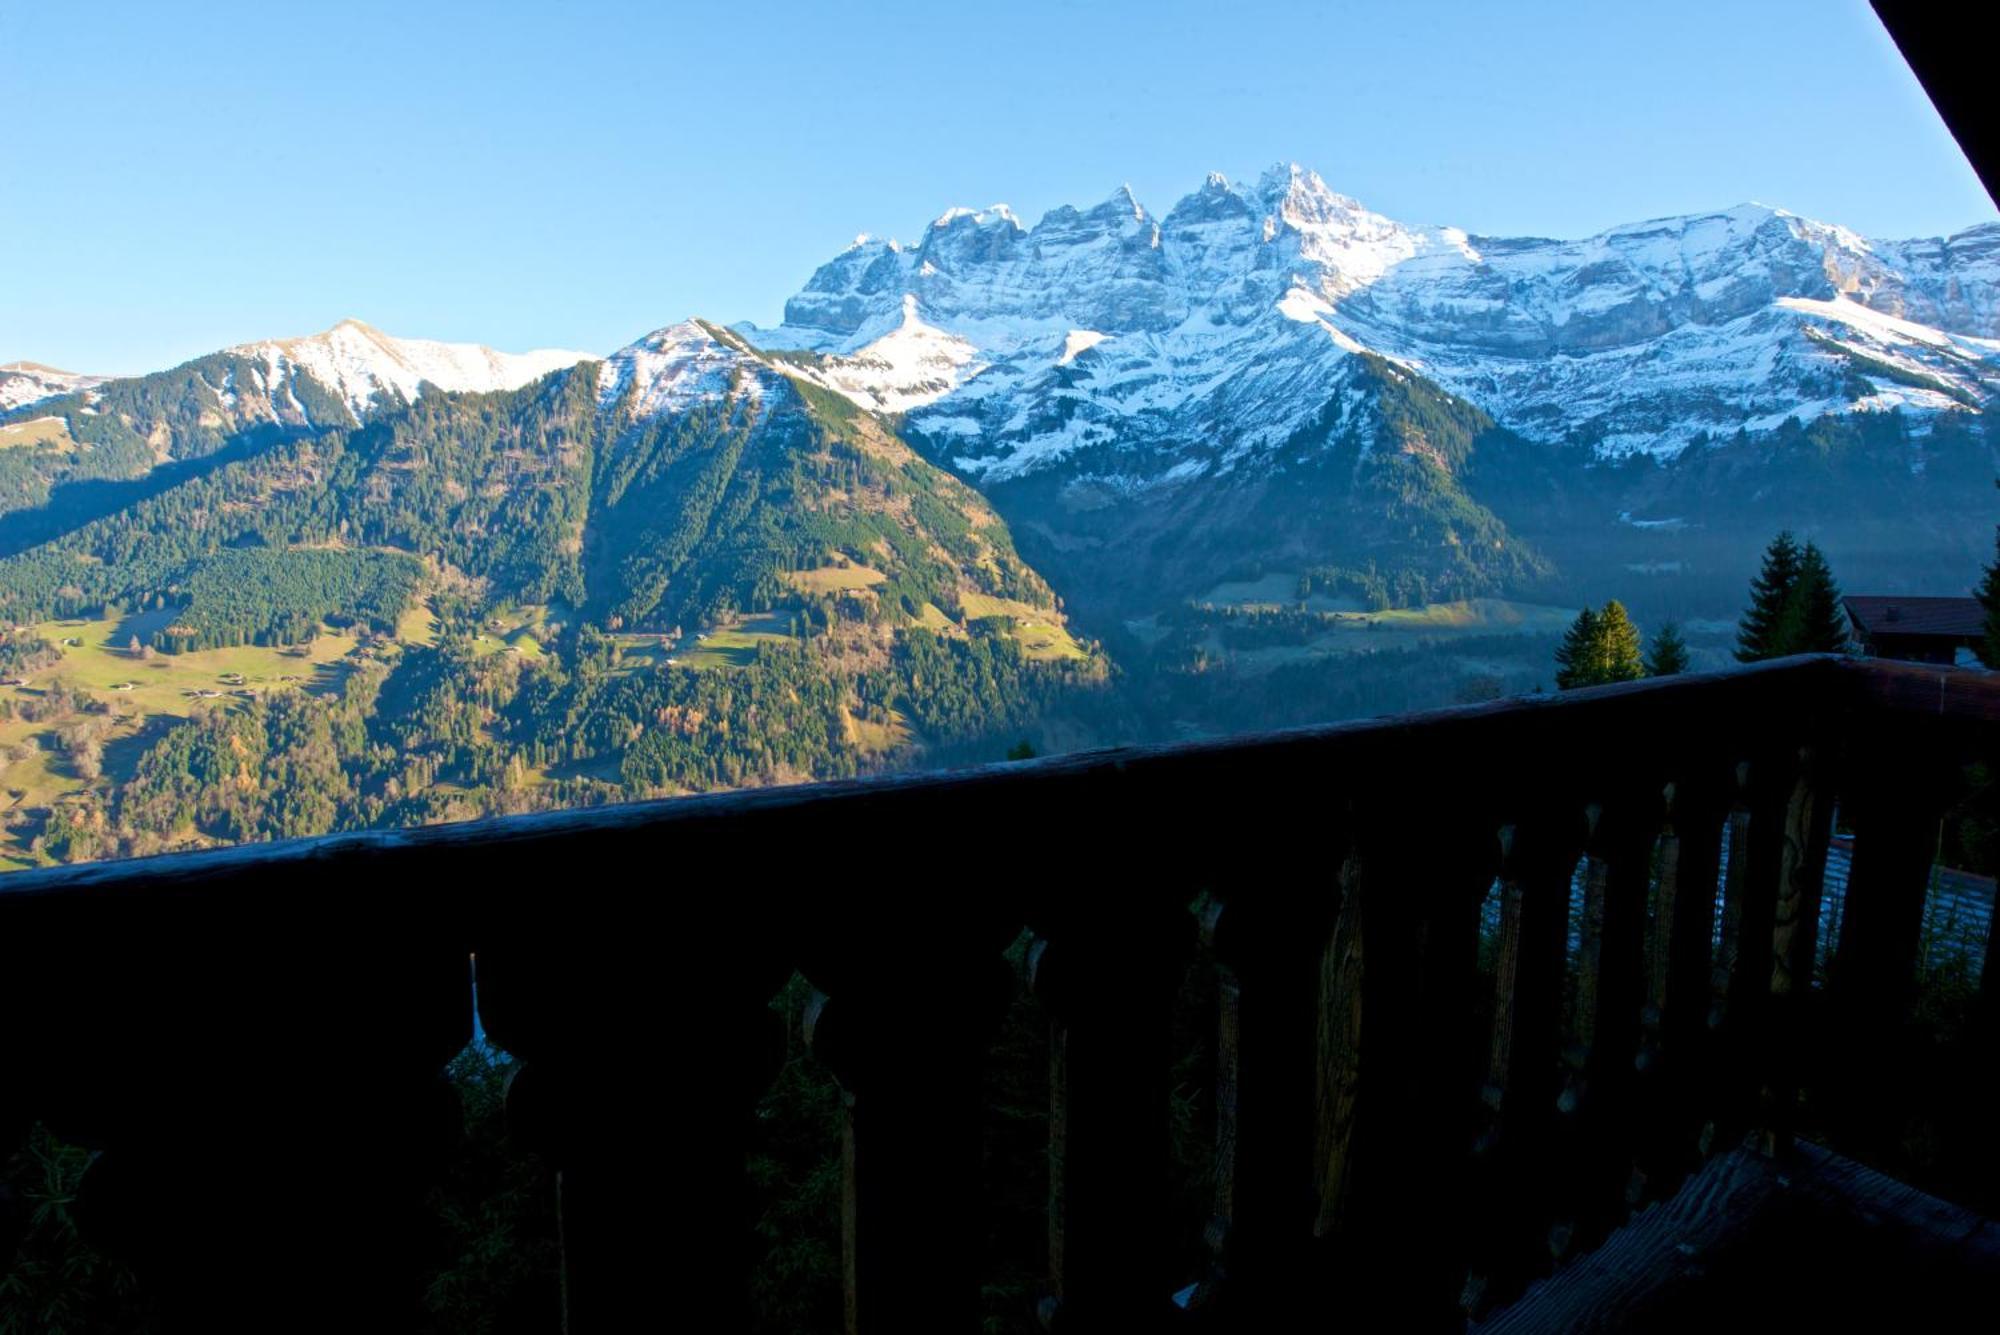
point(1916, 630)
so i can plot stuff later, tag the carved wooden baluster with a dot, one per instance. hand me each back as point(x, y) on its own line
point(1610, 994)
point(1538, 855)
point(1268, 941)
point(1802, 876)
point(1808, 831)
point(615, 1020)
point(1735, 888)
point(1674, 1071)
point(1400, 1066)
point(1107, 978)
point(1895, 798)
point(907, 1035)
point(1743, 964)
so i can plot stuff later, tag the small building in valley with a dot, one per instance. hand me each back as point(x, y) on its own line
point(1918, 630)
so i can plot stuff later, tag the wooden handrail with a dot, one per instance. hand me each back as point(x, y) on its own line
point(1971, 696)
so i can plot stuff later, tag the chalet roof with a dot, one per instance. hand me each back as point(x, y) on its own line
point(1897, 615)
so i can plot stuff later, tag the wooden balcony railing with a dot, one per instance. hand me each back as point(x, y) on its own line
point(1390, 1128)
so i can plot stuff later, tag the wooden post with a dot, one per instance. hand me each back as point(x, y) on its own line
point(643, 1053)
point(1267, 941)
point(1538, 855)
point(1690, 869)
point(1808, 832)
point(1758, 831)
point(1107, 981)
point(909, 1048)
point(1895, 798)
point(1802, 877)
point(1610, 995)
point(1400, 1066)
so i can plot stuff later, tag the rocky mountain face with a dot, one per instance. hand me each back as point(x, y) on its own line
point(1268, 375)
point(1122, 375)
point(1232, 319)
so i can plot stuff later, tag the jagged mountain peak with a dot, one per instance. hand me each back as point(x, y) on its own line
point(1225, 322)
point(993, 215)
point(1122, 200)
point(1288, 183)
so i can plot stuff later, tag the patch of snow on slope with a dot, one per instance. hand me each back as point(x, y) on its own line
point(23, 383)
point(1889, 328)
point(672, 369)
point(912, 365)
point(1078, 341)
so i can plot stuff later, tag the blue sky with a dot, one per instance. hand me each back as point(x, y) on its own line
point(188, 176)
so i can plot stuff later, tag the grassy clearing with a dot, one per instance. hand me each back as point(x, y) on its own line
point(1406, 628)
point(1280, 588)
point(734, 646)
point(1039, 635)
point(872, 738)
point(644, 651)
point(516, 630)
point(834, 579)
point(418, 625)
point(147, 697)
point(39, 778)
point(1484, 616)
point(96, 657)
point(50, 431)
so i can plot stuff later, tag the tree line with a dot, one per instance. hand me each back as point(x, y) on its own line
point(1794, 608)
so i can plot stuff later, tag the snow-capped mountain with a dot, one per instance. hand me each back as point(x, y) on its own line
point(362, 366)
point(238, 400)
point(673, 369)
point(23, 383)
point(1143, 349)
point(353, 369)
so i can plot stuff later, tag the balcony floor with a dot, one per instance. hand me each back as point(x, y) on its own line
point(1810, 1239)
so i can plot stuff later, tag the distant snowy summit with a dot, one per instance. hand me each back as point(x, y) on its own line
point(361, 365)
point(352, 364)
point(1246, 327)
point(1169, 346)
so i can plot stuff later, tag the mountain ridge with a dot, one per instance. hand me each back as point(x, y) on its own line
point(1181, 309)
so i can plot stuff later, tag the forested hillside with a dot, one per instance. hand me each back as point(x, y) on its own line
point(121, 430)
point(506, 601)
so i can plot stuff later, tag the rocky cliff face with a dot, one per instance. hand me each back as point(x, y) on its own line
point(1204, 340)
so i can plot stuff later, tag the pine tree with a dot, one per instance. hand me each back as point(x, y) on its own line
point(1821, 625)
point(1576, 656)
point(1618, 645)
point(1764, 626)
point(1667, 656)
point(1989, 598)
point(1600, 646)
